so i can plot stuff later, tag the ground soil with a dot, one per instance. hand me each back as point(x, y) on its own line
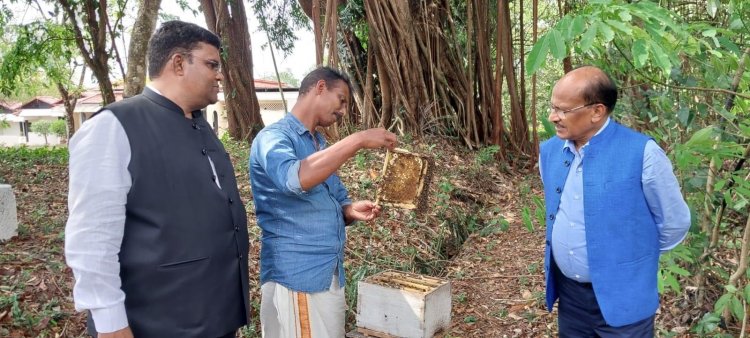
point(480, 231)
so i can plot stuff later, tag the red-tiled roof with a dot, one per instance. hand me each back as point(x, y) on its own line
point(41, 102)
point(49, 99)
point(9, 105)
point(261, 83)
point(95, 97)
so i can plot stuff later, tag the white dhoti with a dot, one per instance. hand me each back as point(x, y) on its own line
point(290, 314)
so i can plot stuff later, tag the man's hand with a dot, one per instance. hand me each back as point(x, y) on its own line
point(122, 333)
point(361, 211)
point(377, 138)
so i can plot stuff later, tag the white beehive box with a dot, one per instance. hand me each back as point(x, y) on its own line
point(403, 304)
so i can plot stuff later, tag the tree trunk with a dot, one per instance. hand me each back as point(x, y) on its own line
point(469, 122)
point(498, 132)
point(318, 35)
point(519, 125)
point(94, 48)
point(563, 8)
point(145, 23)
point(329, 29)
point(485, 89)
point(228, 20)
point(397, 32)
point(69, 103)
point(276, 70)
point(534, 120)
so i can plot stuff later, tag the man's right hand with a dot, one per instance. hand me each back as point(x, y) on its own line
point(377, 138)
point(320, 165)
point(122, 333)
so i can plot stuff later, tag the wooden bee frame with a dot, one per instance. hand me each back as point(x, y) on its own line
point(404, 180)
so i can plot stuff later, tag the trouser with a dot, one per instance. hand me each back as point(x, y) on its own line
point(580, 315)
point(91, 330)
point(290, 314)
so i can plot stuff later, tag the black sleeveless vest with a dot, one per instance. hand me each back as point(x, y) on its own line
point(183, 260)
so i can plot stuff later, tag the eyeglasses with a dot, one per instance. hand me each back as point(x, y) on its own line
point(561, 113)
point(211, 64)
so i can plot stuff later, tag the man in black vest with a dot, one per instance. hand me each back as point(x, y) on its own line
point(157, 235)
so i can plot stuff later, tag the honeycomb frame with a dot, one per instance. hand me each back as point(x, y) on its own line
point(398, 174)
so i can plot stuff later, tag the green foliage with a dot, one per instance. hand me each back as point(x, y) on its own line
point(41, 127)
point(533, 214)
point(286, 77)
point(670, 269)
point(470, 319)
point(239, 150)
point(41, 47)
point(486, 155)
point(23, 158)
point(58, 128)
point(495, 224)
point(707, 325)
point(549, 130)
point(5, 16)
point(362, 159)
point(601, 26)
point(733, 301)
point(352, 16)
point(280, 18)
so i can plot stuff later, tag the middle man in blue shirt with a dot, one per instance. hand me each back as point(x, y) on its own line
point(302, 208)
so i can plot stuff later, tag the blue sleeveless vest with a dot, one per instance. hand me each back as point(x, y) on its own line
point(622, 239)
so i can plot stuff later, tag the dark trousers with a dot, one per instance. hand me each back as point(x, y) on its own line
point(230, 335)
point(92, 330)
point(579, 315)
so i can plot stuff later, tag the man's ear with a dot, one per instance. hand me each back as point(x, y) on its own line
point(320, 87)
point(177, 62)
point(600, 112)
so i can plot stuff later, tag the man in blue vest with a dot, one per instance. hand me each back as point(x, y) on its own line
point(613, 206)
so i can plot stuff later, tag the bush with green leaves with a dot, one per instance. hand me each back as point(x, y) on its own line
point(41, 127)
point(58, 128)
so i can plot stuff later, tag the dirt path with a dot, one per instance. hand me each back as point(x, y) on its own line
point(498, 286)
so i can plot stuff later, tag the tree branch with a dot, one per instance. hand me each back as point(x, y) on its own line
point(702, 89)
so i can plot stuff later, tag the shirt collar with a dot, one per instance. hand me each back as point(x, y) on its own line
point(570, 146)
point(295, 124)
point(154, 89)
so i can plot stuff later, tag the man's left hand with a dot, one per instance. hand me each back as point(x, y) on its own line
point(361, 211)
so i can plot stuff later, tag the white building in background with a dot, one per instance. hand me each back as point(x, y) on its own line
point(90, 102)
point(19, 118)
point(269, 100)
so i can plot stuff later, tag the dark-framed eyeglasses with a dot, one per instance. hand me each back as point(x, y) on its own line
point(211, 64)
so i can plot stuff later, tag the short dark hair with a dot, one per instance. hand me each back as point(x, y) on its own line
point(327, 74)
point(175, 37)
point(601, 89)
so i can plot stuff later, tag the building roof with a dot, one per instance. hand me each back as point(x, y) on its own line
point(48, 112)
point(261, 83)
point(40, 102)
point(95, 97)
point(9, 105)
